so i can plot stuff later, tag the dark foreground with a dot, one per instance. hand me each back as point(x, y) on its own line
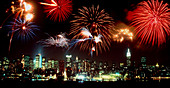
point(72, 84)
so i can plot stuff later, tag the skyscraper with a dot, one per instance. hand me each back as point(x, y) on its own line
point(37, 61)
point(128, 56)
point(26, 62)
point(143, 62)
point(31, 65)
point(68, 61)
point(43, 63)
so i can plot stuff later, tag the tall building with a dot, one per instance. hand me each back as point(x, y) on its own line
point(26, 62)
point(5, 62)
point(100, 65)
point(68, 61)
point(113, 67)
point(49, 64)
point(37, 61)
point(128, 56)
point(56, 66)
point(22, 61)
point(43, 63)
point(143, 62)
point(31, 65)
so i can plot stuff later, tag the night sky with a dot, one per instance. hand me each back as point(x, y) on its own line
point(117, 53)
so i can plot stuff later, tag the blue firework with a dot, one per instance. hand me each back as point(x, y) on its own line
point(23, 29)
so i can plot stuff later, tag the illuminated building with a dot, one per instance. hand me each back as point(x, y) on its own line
point(128, 56)
point(105, 67)
point(143, 62)
point(43, 63)
point(5, 62)
point(75, 66)
point(157, 65)
point(68, 61)
point(93, 65)
point(0, 64)
point(23, 61)
point(121, 65)
point(86, 65)
point(26, 62)
point(113, 67)
point(52, 64)
point(49, 64)
point(31, 65)
point(56, 66)
point(100, 67)
point(37, 61)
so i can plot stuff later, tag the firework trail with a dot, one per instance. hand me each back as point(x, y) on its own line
point(151, 19)
point(58, 41)
point(98, 23)
point(58, 9)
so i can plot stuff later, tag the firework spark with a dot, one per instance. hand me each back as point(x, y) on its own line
point(151, 19)
point(98, 22)
point(58, 41)
point(58, 9)
point(122, 34)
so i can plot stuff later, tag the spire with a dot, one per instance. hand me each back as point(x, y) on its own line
point(128, 54)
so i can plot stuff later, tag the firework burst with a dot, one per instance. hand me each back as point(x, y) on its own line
point(86, 36)
point(152, 21)
point(23, 29)
point(98, 22)
point(120, 35)
point(58, 9)
point(58, 41)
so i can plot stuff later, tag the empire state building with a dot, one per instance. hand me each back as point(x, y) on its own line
point(128, 56)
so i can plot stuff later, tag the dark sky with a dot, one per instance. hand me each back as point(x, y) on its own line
point(117, 53)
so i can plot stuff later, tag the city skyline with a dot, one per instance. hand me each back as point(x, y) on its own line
point(117, 52)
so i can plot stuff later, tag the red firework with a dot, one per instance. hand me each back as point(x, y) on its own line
point(152, 22)
point(58, 9)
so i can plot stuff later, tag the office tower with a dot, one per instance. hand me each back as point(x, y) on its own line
point(31, 65)
point(113, 67)
point(56, 66)
point(52, 64)
point(143, 62)
point(5, 62)
point(106, 67)
point(86, 65)
point(23, 61)
point(37, 61)
point(49, 63)
point(0, 64)
point(68, 61)
point(121, 65)
point(75, 66)
point(100, 65)
point(128, 56)
point(43, 63)
point(26, 62)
